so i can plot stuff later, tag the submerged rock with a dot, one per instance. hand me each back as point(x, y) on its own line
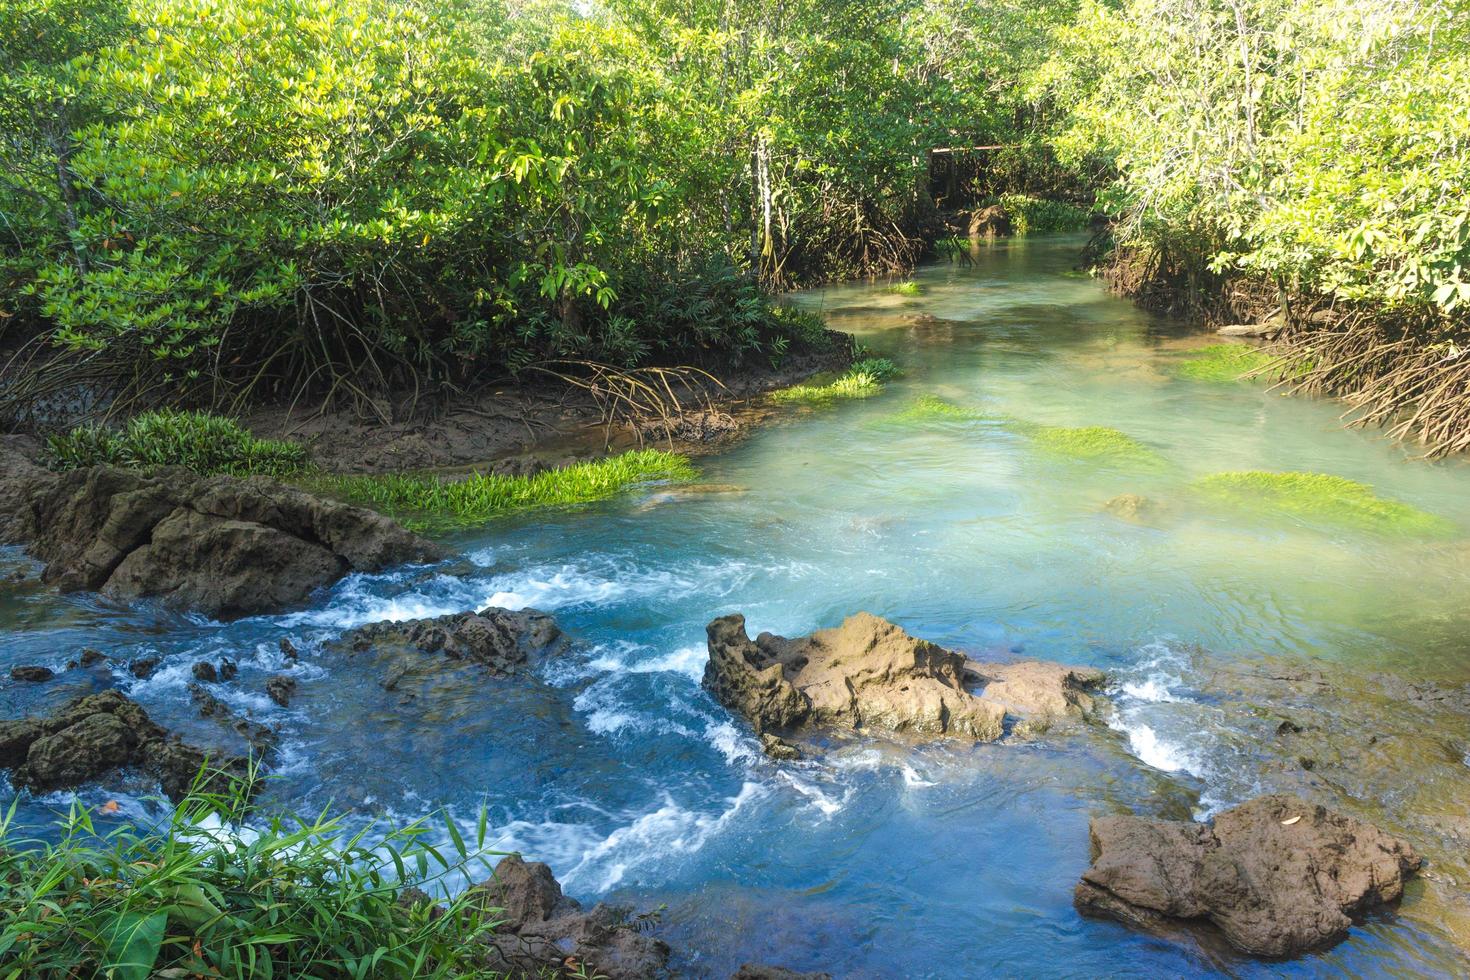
point(868, 674)
point(98, 734)
point(1277, 875)
point(545, 933)
point(500, 640)
point(223, 546)
point(1133, 507)
point(760, 971)
point(32, 673)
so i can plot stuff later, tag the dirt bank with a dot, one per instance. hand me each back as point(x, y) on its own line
point(512, 424)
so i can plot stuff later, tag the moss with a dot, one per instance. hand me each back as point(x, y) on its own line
point(1094, 442)
point(864, 379)
point(1321, 498)
point(429, 501)
point(1223, 362)
point(909, 288)
point(928, 408)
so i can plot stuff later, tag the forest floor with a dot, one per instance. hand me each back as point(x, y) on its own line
point(528, 426)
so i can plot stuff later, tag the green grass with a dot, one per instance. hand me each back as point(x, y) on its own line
point(1093, 442)
point(290, 897)
point(430, 501)
point(909, 288)
point(864, 379)
point(1222, 362)
point(1321, 498)
point(928, 408)
point(202, 442)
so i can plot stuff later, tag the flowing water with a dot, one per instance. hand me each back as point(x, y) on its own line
point(877, 861)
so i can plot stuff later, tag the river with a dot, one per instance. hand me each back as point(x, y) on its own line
point(877, 861)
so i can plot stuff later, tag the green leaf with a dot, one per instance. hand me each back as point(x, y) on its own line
point(133, 943)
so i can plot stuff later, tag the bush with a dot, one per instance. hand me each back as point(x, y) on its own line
point(210, 894)
point(1035, 216)
point(205, 443)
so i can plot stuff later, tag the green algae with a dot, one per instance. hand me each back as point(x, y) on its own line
point(426, 501)
point(929, 408)
point(909, 288)
point(864, 379)
point(1222, 362)
point(1094, 442)
point(1321, 498)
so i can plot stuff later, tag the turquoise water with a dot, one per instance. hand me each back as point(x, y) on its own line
point(876, 861)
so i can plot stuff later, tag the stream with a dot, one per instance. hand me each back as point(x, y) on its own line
point(615, 767)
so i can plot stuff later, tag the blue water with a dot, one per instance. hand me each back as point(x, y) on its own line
point(613, 765)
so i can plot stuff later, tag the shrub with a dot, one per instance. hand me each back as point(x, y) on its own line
point(208, 894)
point(1036, 216)
point(424, 501)
point(202, 442)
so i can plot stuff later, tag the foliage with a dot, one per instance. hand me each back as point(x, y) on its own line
point(1094, 442)
point(863, 379)
point(1321, 498)
point(1041, 216)
point(429, 501)
point(1223, 362)
point(1318, 146)
point(202, 442)
point(223, 891)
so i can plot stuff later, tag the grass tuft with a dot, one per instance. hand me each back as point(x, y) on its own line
point(204, 896)
point(204, 443)
point(429, 501)
point(1222, 362)
point(864, 379)
point(909, 288)
point(1321, 498)
point(1094, 442)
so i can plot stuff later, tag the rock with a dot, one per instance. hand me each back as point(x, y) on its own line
point(1277, 875)
point(990, 222)
point(205, 671)
point(288, 649)
point(500, 640)
point(144, 667)
point(1036, 689)
point(91, 657)
point(1249, 330)
point(544, 931)
point(223, 546)
point(760, 971)
point(778, 748)
point(98, 734)
point(1132, 507)
point(21, 479)
point(258, 736)
point(280, 688)
point(868, 674)
point(32, 673)
point(227, 670)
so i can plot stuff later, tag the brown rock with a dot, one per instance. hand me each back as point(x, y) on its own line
point(500, 640)
point(1277, 875)
point(760, 971)
point(280, 688)
point(32, 673)
point(868, 674)
point(223, 546)
point(97, 734)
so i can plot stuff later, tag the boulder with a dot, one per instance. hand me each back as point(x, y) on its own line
point(260, 738)
point(869, 675)
point(544, 933)
point(1277, 875)
point(21, 479)
point(224, 546)
point(279, 689)
point(500, 640)
point(97, 734)
point(760, 971)
point(32, 673)
point(990, 222)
